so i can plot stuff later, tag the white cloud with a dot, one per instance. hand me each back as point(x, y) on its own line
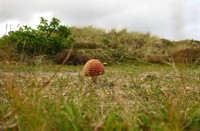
point(35, 20)
point(7, 26)
point(12, 25)
point(173, 19)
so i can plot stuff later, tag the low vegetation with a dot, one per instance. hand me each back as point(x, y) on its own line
point(149, 83)
point(131, 96)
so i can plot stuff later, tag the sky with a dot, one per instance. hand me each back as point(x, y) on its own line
point(170, 19)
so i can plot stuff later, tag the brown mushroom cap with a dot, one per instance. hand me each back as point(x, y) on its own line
point(93, 67)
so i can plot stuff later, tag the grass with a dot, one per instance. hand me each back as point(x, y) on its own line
point(129, 96)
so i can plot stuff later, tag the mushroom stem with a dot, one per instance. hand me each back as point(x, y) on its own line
point(94, 79)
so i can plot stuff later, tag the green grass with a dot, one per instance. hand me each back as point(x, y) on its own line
point(129, 96)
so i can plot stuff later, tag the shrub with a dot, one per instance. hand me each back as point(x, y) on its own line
point(48, 38)
point(6, 50)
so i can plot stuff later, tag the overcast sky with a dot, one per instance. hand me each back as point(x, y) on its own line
point(171, 19)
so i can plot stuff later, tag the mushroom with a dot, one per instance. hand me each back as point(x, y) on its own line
point(93, 68)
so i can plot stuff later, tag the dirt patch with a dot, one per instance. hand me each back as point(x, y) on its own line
point(157, 58)
point(188, 55)
point(82, 45)
point(75, 58)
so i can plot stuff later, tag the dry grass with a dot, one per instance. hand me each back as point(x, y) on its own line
point(131, 96)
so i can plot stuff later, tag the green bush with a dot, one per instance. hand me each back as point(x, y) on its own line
point(6, 49)
point(48, 38)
